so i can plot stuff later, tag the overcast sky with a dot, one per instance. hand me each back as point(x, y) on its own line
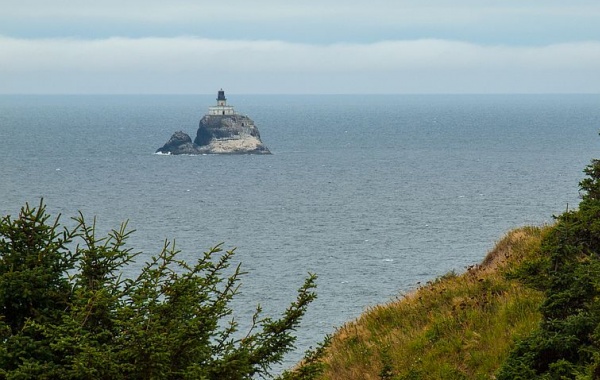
point(308, 46)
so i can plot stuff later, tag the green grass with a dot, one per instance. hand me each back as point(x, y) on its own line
point(455, 327)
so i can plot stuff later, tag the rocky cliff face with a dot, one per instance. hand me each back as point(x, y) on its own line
point(229, 134)
point(218, 134)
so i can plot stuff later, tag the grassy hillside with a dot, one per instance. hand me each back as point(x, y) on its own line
point(456, 327)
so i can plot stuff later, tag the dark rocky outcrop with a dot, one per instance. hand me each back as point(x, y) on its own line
point(218, 134)
point(179, 143)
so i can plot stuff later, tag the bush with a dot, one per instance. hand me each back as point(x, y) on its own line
point(567, 343)
point(66, 311)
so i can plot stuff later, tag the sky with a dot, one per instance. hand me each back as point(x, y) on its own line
point(299, 47)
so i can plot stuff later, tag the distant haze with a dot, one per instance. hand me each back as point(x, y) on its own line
point(378, 46)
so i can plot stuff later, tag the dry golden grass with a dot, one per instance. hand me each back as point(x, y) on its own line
point(456, 327)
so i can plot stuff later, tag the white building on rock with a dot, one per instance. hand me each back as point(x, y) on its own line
point(221, 108)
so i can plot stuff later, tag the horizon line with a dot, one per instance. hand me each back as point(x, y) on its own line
point(292, 93)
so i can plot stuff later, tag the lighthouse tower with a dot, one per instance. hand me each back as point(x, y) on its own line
point(221, 108)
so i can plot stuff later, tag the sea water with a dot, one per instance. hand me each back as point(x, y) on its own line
point(372, 193)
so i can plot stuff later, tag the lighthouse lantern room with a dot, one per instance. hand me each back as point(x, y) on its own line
point(221, 108)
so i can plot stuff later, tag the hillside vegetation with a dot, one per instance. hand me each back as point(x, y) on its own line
point(530, 310)
point(456, 327)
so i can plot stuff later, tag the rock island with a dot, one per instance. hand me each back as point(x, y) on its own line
point(221, 131)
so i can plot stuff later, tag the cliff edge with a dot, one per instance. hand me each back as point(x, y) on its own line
point(458, 326)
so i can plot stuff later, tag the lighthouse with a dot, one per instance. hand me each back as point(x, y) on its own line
point(220, 131)
point(221, 108)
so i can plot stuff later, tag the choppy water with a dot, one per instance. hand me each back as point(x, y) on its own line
point(372, 193)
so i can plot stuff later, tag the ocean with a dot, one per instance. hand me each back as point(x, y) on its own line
point(372, 193)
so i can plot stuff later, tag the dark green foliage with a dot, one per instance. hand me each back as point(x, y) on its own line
point(34, 260)
point(567, 343)
point(66, 312)
point(311, 366)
